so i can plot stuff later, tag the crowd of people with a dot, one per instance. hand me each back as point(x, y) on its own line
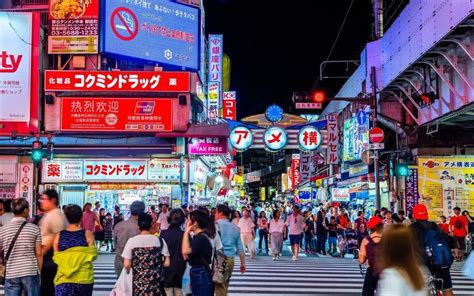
point(162, 251)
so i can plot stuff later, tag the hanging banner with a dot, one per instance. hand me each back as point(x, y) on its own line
point(446, 182)
point(411, 190)
point(229, 105)
point(306, 166)
point(73, 26)
point(25, 184)
point(295, 170)
point(213, 94)
point(216, 51)
point(120, 115)
point(332, 156)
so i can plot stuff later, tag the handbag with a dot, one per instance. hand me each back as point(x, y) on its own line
point(186, 282)
point(220, 274)
point(3, 264)
point(123, 286)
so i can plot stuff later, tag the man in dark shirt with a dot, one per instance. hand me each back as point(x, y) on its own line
point(420, 213)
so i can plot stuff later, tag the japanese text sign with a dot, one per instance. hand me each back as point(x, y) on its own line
point(62, 171)
point(208, 146)
point(306, 166)
point(15, 66)
point(295, 170)
point(215, 57)
point(166, 170)
point(115, 169)
point(154, 30)
point(340, 194)
point(275, 139)
point(121, 115)
point(136, 81)
point(241, 138)
point(229, 107)
point(73, 26)
point(444, 183)
point(411, 190)
point(332, 156)
point(309, 138)
point(213, 95)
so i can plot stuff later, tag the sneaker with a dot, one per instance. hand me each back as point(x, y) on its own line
point(274, 258)
point(293, 258)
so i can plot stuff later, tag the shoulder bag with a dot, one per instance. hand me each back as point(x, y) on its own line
point(3, 264)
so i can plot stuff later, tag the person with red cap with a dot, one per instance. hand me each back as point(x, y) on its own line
point(432, 246)
point(369, 255)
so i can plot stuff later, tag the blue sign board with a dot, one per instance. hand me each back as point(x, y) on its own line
point(158, 31)
point(361, 117)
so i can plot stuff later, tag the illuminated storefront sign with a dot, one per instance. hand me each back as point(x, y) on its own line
point(241, 138)
point(275, 138)
point(309, 138)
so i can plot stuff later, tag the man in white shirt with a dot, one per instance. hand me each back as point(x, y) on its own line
point(296, 224)
point(247, 232)
point(163, 218)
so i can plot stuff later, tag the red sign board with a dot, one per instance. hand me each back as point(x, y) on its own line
point(118, 115)
point(376, 135)
point(230, 109)
point(308, 105)
point(73, 26)
point(149, 81)
point(295, 170)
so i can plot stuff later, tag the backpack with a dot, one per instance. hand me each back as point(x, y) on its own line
point(220, 274)
point(437, 250)
point(373, 256)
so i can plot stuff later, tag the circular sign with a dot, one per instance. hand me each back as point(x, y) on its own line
point(274, 113)
point(309, 138)
point(367, 157)
point(124, 23)
point(241, 138)
point(275, 138)
point(376, 135)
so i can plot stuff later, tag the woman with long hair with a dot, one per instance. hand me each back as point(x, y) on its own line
point(262, 231)
point(402, 275)
point(236, 218)
point(199, 252)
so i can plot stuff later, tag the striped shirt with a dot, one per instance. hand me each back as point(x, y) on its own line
point(22, 261)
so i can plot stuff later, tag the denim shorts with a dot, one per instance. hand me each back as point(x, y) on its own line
point(295, 239)
point(332, 240)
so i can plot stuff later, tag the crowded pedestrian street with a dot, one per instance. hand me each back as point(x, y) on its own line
point(231, 147)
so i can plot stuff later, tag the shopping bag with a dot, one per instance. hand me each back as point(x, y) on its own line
point(123, 286)
point(186, 283)
point(468, 269)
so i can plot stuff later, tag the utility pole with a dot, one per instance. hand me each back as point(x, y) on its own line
point(373, 80)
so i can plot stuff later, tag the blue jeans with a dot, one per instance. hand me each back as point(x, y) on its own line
point(201, 281)
point(30, 285)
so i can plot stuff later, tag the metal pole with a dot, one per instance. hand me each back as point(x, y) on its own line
point(374, 123)
point(188, 200)
point(397, 179)
point(181, 172)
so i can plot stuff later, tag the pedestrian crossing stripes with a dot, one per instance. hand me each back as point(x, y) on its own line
point(309, 276)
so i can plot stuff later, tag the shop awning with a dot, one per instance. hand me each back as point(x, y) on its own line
point(200, 131)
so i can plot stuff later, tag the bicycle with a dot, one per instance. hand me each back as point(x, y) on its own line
point(432, 285)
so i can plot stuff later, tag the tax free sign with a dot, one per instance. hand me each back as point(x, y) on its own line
point(157, 31)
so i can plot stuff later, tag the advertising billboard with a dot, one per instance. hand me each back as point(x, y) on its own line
point(356, 139)
point(57, 80)
point(229, 105)
point(156, 30)
point(73, 27)
point(445, 183)
point(116, 114)
point(332, 155)
point(19, 62)
point(208, 146)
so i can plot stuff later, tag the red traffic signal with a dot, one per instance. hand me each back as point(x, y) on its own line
point(318, 96)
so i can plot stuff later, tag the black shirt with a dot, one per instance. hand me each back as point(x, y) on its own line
point(332, 230)
point(173, 274)
point(202, 251)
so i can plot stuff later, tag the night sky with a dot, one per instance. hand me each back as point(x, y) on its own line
point(277, 49)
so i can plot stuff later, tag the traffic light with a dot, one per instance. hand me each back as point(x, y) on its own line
point(318, 96)
point(402, 169)
point(37, 152)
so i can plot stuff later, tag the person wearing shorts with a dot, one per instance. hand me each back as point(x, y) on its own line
point(296, 223)
point(459, 229)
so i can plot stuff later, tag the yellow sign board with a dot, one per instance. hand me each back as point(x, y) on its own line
point(446, 182)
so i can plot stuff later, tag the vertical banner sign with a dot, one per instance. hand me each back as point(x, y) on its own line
point(411, 190)
point(215, 66)
point(306, 167)
point(230, 105)
point(73, 26)
point(332, 156)
point(15, 66)
point(295, 169)
point(213, 100)
point(25, 181)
